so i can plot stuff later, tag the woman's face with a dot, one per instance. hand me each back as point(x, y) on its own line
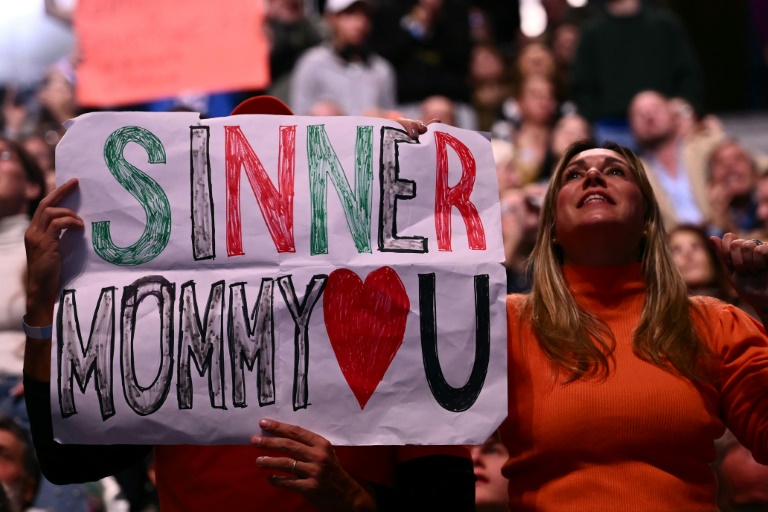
point(692, 259)
point(15, 190)
point(490, 486)
point(598, 195)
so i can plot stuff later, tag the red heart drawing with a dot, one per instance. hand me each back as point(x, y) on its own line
point(365, 324)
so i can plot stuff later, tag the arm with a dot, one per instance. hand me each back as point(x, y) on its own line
point(59, 463)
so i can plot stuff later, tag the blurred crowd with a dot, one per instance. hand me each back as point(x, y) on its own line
point(622, 70)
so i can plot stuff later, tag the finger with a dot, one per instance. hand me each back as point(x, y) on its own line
point(290, 483)
point(288, 447)
point(58, 225)
point(723, 254)
point(434, 120)
point(53, 212)
point(293, 432)
point(55, 197)
point(747, 255)
point(284, 464)
point(737, 258)
point(411, 127)
point(760, 257)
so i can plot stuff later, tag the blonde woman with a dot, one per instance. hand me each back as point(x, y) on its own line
point(619, 383)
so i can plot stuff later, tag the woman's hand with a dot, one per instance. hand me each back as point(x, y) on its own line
point(311, 468)
point(746, 264)
point(42, 241)
point(415, 128)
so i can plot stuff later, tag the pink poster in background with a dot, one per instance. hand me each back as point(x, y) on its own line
point(140, 50)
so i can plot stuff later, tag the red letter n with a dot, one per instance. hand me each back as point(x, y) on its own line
point(276, 205)
point(447, 197)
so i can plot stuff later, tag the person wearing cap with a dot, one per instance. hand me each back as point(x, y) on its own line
point(293, 469)
point(344, 70)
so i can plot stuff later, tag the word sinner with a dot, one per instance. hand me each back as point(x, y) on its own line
point(276, 203)
point(248, 338)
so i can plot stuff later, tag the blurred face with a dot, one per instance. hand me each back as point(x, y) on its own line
point(15, 190)
point(598, 190)
point(537, 100)
point(568, 130)
point(491, 486)
point(564, 45)
point(536, 59)
point(651, 119)
point(18, 485)
point(438, 107)
point(683, 115)
point(692, 259)
point(731, 167)
point(351, 26)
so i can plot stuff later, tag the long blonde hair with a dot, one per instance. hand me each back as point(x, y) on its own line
point(580, 344)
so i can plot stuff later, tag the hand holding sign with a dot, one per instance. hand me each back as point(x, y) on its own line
point(314, 470)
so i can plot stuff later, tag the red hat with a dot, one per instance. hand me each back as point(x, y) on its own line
point(262, 105)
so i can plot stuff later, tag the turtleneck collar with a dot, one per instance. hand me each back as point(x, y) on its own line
point(605, 284)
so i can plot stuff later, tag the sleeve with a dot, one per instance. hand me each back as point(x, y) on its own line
point(302, 85)
point(71, 463)
point(430, 478)
point(389, 87)
point(742, 345)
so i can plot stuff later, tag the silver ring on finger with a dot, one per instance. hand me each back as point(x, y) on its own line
point(293, 468)
point(757, 242)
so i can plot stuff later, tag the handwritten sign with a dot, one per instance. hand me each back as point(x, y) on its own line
point(140, 50)
point(327, 272)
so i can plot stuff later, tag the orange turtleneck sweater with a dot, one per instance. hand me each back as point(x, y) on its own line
point(642, 439)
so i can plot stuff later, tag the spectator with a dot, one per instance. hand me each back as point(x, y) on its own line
point(21, 188)
point(344, 71)
point(520, 212)
point(428, 43)
point(628, 49)
point(697, 262)
point(490, 486)
point(504, 158)
point(732, 178)
point(488, 75)
point(439, 107)
point(290, 35)
point(568, 129)
point(564, 42)
point(44, 154)
point(537, 104)
point(19, 474)
point(675, 171)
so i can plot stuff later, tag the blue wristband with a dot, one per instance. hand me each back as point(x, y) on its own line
point(37, 333)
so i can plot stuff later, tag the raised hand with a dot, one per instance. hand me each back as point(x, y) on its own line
point(42, 241)
point(746, 264)
point(310, 468)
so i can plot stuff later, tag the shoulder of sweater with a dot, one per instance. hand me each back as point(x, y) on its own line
point(516, 302)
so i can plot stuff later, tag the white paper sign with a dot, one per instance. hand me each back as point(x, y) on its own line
point(326, 272)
